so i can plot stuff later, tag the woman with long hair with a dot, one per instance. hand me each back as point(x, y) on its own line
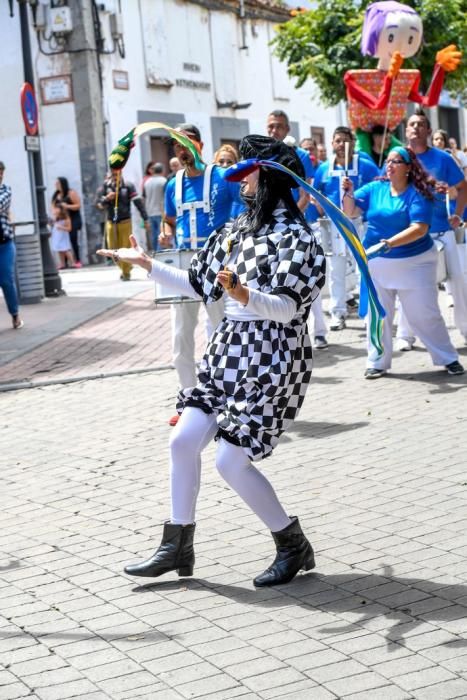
point(403, 258)
point(257, 366)
point(70, 200)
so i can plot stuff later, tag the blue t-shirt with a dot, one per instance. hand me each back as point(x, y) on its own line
point(387, 215)
point(330, 185)
point(443, 168)
point(222, 195)
point(304, 156)
point(307, 166)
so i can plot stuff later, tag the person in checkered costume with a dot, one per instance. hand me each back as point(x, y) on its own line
point(257, 365)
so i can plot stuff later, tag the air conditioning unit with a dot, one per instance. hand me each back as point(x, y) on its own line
point(60, 20)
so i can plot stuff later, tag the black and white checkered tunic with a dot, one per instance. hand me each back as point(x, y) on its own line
point(254, 374)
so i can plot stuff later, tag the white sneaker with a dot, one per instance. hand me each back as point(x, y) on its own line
point(320, 342)
point(337, 323)
point(404, 345)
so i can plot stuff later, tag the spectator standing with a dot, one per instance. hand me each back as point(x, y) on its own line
point(458, 155)
point(148, 172)
point(60, 238)
point(118, 224)
point(174, 167)
point(153, 194)
point(8, 253)
point(71, 201)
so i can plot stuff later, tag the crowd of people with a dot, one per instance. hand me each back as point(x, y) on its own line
point(183, 216)
point(258, 269)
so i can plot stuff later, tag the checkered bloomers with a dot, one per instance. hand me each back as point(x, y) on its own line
point(254, 374)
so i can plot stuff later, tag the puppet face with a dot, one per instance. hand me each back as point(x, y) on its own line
point(402, 32)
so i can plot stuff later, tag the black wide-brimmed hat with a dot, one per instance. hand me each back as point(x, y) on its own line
point(266, 148)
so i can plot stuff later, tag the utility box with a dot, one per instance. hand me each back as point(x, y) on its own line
point(60, 20)
point(116, 25)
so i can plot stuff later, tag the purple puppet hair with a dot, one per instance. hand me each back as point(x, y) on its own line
point(375, 17)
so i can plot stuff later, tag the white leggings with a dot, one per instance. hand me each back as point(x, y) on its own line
point(193, 432)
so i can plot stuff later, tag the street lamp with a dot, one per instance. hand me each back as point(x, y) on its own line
point(52, 281)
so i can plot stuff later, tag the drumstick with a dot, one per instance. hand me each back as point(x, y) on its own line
point(346, 158)
point(448, 211)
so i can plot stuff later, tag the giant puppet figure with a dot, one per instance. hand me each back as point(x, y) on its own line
point(391, 32)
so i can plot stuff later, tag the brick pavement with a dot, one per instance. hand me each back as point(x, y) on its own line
point(92, 331)
point(376, 471)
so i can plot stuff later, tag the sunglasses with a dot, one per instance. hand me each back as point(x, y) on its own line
point(395, 162)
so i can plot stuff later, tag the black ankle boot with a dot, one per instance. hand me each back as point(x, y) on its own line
point(294, 552)
point(174, 553)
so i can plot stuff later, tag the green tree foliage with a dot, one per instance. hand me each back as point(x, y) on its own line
point(323, 43)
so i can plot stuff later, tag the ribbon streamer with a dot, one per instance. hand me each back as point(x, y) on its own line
point(369, 301)
point(120, 154)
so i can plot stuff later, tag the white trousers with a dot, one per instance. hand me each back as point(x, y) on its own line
point(457, 287)
point(423, 313)
point(319, 322)
point(193, 432)
point(337, 284)
point(184, 322)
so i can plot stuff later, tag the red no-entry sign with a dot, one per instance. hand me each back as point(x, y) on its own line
point(29, 109)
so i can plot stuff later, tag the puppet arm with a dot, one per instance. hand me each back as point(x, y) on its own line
point(447, 60)
point(363, 96)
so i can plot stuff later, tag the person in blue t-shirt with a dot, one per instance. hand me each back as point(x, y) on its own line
point(328, 180)
point(196, 204)
point(444, 169)
point(278, 127)
point(402, 257)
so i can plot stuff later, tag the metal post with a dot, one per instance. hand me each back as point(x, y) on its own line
point(52, 281)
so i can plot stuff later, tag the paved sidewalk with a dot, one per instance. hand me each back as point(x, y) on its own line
point(102, 326)
point(376, 472)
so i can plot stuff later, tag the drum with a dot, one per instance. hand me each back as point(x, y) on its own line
point(180, 259)
point(330, 239)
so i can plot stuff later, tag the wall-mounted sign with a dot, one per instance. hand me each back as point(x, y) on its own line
point(56, 89)
point(120, 80)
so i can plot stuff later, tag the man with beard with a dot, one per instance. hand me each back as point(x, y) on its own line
point(197, 202)
point(257, 366)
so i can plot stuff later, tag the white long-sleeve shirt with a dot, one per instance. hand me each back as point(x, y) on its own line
point(261, 306)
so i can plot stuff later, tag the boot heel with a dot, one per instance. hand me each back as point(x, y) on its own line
point(309, 563)
point(185, 571)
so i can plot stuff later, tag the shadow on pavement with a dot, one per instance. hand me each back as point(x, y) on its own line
point(442, 382)
point(337, 352)
point(408, 604)
point(307, 429)
point(14, 564)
